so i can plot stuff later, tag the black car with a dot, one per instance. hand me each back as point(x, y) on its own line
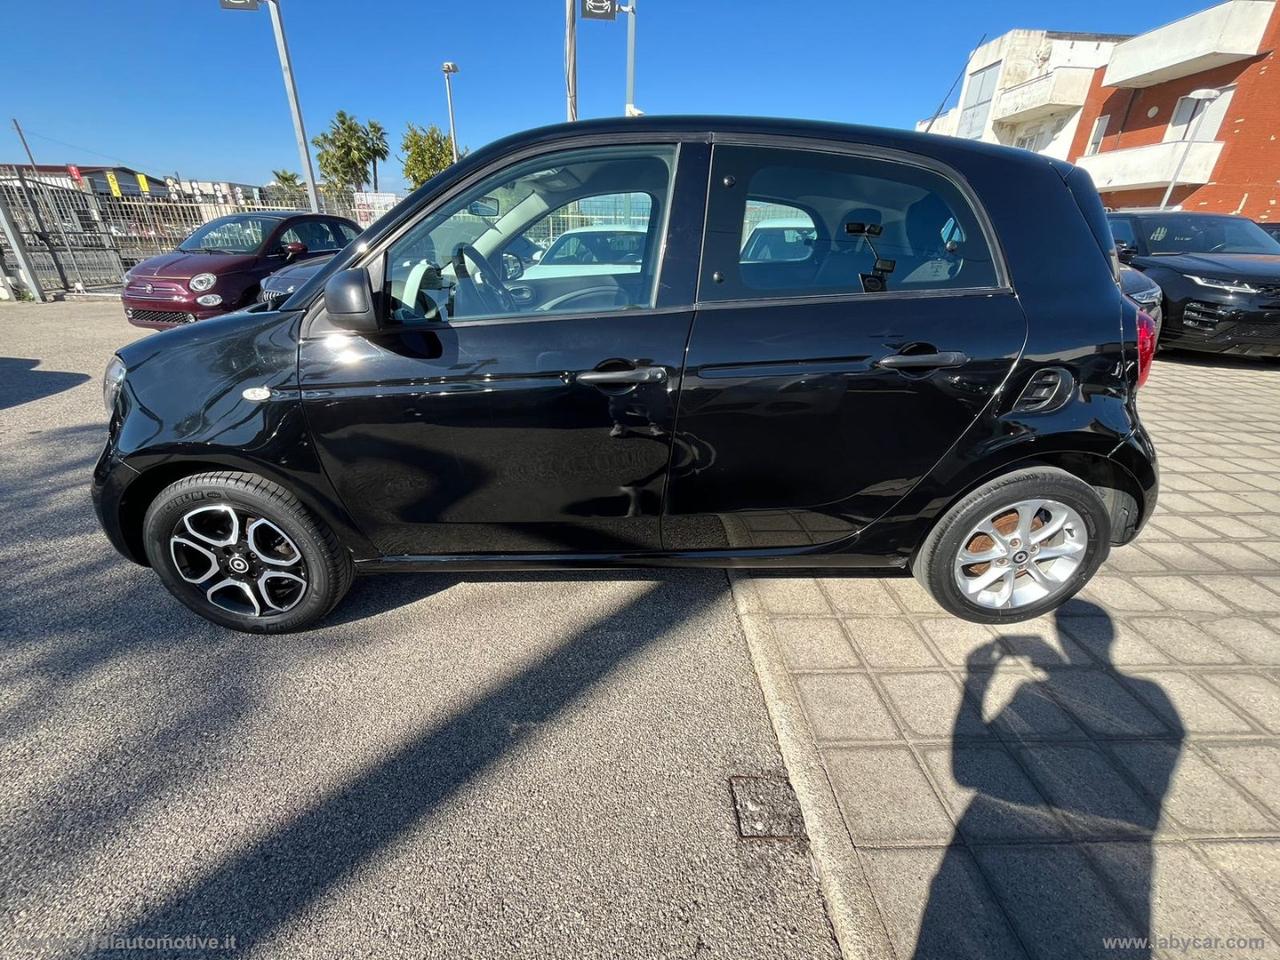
point(1220, 275)
point(916, 392)
point(277, 288)
point(1142, 290)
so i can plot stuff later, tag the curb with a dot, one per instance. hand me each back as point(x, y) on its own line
point(859, 929)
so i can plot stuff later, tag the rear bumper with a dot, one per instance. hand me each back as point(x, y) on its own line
point(1136, 455)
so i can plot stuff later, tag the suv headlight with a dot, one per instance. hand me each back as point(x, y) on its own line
point(202, 282)
point(112, 381)
point(1231, 286)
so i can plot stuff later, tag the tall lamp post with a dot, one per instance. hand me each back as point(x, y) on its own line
point(1204, 96)
point(450, 68)
point(290, 89)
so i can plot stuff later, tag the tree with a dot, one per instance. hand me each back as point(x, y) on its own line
point(375, 142)
point(287, 187)
point(426, 153)
point(342, 152)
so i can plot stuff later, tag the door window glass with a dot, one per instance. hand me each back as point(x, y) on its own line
point(573, 232)
point(802, 222)
point(776, 231)
point(314, 233)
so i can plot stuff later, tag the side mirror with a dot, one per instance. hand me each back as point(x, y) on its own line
point(1125, 253)
point(348, 300)
point(512, 267)
point(484, 207)
point(295, 249)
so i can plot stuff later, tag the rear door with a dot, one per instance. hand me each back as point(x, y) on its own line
point(822, 383)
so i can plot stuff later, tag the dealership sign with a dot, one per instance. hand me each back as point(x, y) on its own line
point(593, 9)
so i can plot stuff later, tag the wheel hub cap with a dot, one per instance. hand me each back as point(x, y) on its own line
point(1021, 554)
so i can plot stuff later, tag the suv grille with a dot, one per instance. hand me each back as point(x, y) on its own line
point(272, 298)
point(159, 316)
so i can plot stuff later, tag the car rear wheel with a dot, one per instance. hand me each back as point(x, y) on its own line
point(1015, 548)
point(242, 552)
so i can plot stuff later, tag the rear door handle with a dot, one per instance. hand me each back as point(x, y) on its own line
point(908, 361)
point(633, 375)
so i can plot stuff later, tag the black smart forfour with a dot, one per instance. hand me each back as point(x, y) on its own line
point(660, 341)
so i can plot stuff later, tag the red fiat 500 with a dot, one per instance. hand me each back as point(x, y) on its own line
point(219, 267)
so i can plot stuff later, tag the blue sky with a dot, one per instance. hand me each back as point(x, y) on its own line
point(182, 85)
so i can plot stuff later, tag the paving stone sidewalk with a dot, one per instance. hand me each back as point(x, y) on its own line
point(1109, 772)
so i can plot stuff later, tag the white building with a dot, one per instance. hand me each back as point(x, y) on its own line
point(1026, 89)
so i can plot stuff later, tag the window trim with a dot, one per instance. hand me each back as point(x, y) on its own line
point(864, 151)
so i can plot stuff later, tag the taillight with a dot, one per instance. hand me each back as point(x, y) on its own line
point(1146, 345)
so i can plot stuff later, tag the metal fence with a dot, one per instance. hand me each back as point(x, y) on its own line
point(80, 240)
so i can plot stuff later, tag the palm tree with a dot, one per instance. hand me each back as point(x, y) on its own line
point(342, 152)
point(375, 136)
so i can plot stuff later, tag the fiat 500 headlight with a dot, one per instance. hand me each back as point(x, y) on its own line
point(202, 282)
point(112, 381)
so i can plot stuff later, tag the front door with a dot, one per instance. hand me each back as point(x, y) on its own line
point(482, 421)
point(852, 323)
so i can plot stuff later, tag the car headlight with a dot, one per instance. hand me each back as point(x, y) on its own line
point(112, 381)
point(202, 281)
point(1231, 286)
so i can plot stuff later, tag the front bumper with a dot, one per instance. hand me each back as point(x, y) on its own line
point(1241, 328)
point(111, 479)
point(161, 315)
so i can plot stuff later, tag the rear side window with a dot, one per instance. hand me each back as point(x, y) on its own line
point(804, 223)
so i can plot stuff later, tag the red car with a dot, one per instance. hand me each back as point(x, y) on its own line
point(219, 267)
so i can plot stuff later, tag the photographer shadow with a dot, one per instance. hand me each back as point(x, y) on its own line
point(1067, 762)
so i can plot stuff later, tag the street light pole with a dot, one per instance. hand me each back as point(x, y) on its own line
point(1207, 96)
point(450, 68)
point(630, 110)
point(571, 59)
point(291, 89)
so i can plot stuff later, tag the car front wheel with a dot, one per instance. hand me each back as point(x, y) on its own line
point(1015, 548)
point(242, 552)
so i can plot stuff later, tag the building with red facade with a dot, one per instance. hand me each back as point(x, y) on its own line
point(1202, 92)
point(1199, 98)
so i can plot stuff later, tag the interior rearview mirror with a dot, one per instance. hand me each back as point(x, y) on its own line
point(348, 300)
point(484, 207)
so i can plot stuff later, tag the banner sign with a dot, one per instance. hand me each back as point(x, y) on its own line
point(113, 183)
point(143, 185)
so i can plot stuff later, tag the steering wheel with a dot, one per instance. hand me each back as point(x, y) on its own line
point(486, 283)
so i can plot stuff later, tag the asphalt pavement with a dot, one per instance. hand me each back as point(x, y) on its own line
point(515, 766)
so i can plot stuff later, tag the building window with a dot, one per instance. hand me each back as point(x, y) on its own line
point(1095, 137)
point(1187, 123)
point(976, 107)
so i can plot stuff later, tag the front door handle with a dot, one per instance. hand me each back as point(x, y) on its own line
point(917, 361)
point(631, 375)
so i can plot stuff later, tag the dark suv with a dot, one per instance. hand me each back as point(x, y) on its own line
point(934, 383)
point(1220, 277)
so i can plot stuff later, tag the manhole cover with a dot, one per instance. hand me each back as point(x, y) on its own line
point(766, 808)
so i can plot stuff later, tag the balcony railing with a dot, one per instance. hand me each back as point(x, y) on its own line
point(1152, 166)
point(1062, 89)
point(1226, 33)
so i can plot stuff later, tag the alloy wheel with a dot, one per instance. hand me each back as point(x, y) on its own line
point(1021, 554)
point(242, 563)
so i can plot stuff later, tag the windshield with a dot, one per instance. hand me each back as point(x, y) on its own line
point(621, 246)
point(1196, 233)
point(240, 234)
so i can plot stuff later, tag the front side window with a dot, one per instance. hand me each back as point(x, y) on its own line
point(316, 235)
point(818, 223)
point(573, 232)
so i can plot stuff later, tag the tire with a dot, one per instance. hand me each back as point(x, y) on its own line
point(1079, 542)
point(242, 552)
